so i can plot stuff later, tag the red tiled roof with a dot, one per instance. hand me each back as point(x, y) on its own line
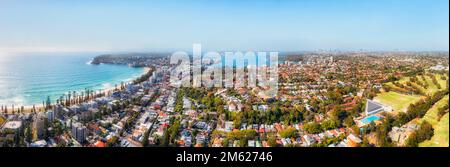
point(348, 98)
point(99, 144)
point(261, 130)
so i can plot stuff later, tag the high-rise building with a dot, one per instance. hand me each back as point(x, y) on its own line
point(38, 126)
point(50, 115)
point(79, 132)
point(58, 111)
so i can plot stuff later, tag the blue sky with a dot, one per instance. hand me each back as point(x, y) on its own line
point(271, 25)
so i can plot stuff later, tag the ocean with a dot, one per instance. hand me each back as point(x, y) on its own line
point(28, 79)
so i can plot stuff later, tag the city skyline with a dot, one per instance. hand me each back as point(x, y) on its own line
point(67, 26)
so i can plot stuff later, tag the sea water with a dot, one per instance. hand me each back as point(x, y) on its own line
point(27, 79)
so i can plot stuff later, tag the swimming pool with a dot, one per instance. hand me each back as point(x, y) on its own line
point(369, 119)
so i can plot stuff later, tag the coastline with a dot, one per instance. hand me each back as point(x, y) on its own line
point(106, 91)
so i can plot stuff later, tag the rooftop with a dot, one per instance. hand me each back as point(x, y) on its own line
point(12, 125)
point(373, 107)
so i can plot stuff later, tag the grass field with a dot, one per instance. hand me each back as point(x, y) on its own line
point(432, 88)
point(440, 138)
point(398, 102)
point(432, 115)
point(441, 128)
point(390, 84)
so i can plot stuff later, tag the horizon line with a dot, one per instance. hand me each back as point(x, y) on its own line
point(9, 51)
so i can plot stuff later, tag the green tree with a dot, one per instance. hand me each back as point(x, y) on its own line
point(425, 132)
point(173, 131)
point(272, 141)
point(237, 121)
point(165, 139)
point(288, 132)
point(145, 140)
point(312, 128)
point(365, 142)
point(328, 124)
point(348, 122)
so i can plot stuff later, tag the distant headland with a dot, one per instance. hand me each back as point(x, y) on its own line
point(130, 59)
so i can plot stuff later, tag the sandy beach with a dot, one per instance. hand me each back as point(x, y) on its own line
point(106, 91)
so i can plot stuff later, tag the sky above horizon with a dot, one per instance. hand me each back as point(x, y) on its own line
point(259, 25)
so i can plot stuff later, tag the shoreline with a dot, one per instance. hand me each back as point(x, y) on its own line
point(106, 91)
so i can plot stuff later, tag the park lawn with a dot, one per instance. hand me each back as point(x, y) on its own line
point(432, 115)
point(398, 102)
point(440, 138)
point(390, 84)
point(404, 79)
point(441, 82)
point(432, 88)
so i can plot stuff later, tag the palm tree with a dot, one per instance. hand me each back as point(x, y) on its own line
point(60, 100)
point(48, 103)
point(86, 94)
point(70, 95)
point(74, 96)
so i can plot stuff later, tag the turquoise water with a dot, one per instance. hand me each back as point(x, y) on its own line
point(28, 79)
point(370, 119)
